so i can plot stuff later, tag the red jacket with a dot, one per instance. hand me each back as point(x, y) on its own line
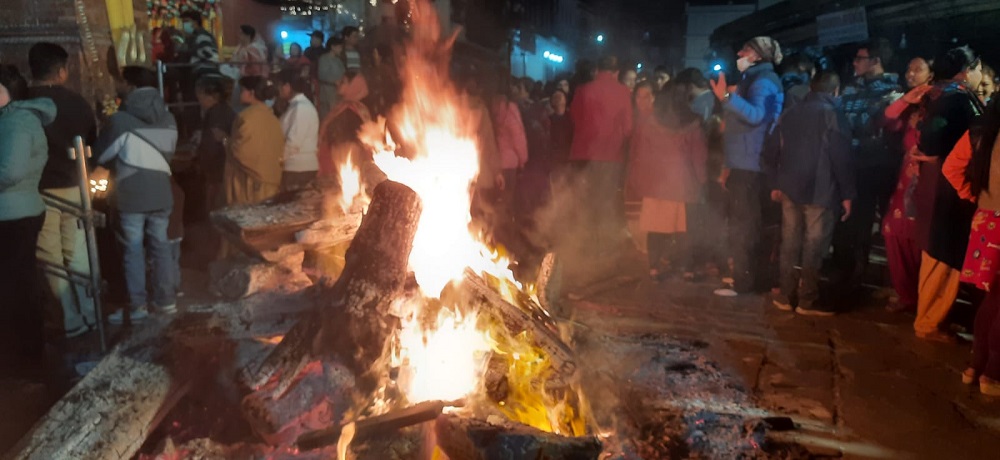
point(602, 120)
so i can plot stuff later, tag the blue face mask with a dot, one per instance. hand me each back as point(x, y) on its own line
point(188, 27)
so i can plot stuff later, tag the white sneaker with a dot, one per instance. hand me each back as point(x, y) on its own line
point(168, 310)
point(726, 293)
point(782, 305)
point(137, 314)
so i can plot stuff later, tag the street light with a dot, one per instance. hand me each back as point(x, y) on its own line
point(600, 38)
point(284, 34)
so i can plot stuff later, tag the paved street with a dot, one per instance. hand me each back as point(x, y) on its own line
point(859, 384)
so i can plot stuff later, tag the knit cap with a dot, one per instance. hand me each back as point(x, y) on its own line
point(767, 48)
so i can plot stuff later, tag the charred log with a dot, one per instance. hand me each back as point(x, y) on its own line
point(351, 321)
point(472, 439)
point(240, 277)
point(291, 221)
point(380, 425)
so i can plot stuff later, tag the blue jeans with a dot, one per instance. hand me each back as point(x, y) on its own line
point(806, 231)
point(139, 233)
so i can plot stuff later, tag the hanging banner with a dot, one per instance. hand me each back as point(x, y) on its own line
point(845, 26)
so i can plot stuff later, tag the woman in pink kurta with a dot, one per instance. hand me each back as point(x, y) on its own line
point(667, 170)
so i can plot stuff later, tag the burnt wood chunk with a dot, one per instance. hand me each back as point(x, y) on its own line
point(109, 414)
point(351, 321)
point(473, 439)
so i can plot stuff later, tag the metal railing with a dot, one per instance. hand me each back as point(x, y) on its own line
point(89, 219)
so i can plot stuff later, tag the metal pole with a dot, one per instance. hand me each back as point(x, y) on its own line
point(160, 70)
point(80, 153)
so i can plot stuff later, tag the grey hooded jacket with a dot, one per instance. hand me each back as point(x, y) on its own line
point(138, 145)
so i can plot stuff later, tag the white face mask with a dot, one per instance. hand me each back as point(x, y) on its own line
point(743, 64)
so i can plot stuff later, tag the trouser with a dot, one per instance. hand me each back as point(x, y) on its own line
point(296, 180)
point(138, 233)
point(62, 243)
point(938, 290)
point(601, 191)
point(986, 340)
point(853, 239)
point(22, 333)
point(903, 254)
point(744, 207)
point(668, 246)
point(806, 231)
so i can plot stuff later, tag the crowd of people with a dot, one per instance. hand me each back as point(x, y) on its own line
point(758, 181)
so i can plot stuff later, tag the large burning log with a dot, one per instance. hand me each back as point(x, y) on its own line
point(352, 319)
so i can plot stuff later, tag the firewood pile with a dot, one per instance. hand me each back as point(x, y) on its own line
point(278, 241)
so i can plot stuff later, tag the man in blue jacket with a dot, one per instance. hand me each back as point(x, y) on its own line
point(749, 115)
point(811, 174)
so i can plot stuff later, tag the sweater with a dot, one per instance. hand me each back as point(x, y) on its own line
point(300, 124)
point(74, 117)
point(23, 153)
point(749, 116)
point(668, 163)
point(952, 111)
point(138, 144)
point(812, 165)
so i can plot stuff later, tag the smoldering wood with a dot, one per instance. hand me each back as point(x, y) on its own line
point(321, 396)
point(239, 277)
point(351, 319)
point(473, 439)
point(380, 425)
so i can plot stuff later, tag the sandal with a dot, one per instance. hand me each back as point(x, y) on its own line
point(937, 336)
point(970, 376)
point(988, 386)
